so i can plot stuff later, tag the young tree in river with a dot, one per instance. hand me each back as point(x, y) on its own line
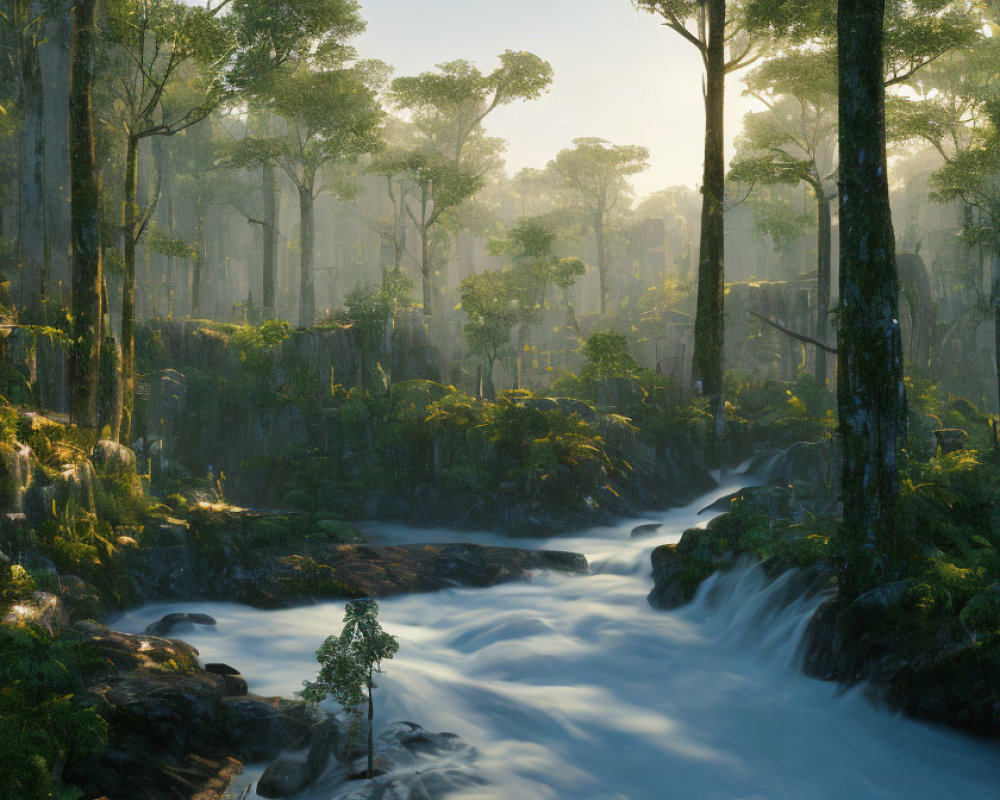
point(348, 664)
point(448, 107)
point(871, 399)
point(717, 29)
point(85, 354)
point(593, 172)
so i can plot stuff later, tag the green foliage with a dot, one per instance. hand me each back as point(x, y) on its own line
point(607, 357)
point(781, 413)
point(348, 662)
point(162, 242)
point(43, 723)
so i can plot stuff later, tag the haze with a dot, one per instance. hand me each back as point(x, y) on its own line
point(619, 75)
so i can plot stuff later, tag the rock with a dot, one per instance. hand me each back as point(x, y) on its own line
point(812, 465)
point(642, 531)
point(171, 622)
point(674, 584)
point(879, 633)
point(331, 570)
point(951, 439)
point(42, 608)
point(114, 457)
point(415, 763)
point(127, 651)
point(175, 730)
point(300, 765)
point(236, 685)
point(585, 411)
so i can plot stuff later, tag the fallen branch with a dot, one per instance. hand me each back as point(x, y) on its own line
point(800, 336)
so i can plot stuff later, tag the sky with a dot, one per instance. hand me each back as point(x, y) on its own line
point(619, 75)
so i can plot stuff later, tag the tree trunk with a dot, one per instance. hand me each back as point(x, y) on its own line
point(371, 715)
point(709, 325)
point(425, 252)
point(995, 302)
point(198, 262)
point(871, 399)
point(602, 258)
point(31, 190)
point(129, 223)
point(85, 221)
point(425, 271)
point(307, 289)
point(270, 230)
point(824, 245)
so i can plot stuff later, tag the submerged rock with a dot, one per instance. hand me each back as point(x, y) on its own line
point(642, 531)
point(412, 762)
point(169, 623)
point(299, 765)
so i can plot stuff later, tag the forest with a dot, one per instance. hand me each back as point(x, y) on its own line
point(689, 491)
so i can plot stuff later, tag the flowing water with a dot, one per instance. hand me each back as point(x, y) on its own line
point(573, 687)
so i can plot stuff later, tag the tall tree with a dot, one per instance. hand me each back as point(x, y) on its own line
point(794, 141)
point(593, 171)
point(23, 28)
point(871, 399)
point(158, 43)
point(84, 220)
point(449, 107)
point(207, 55)
point(959, 116)
point(717, 29)
point(326, 116)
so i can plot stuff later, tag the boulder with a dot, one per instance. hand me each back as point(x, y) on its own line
point(585, 411)
point(114, 457)
point(642, 531)
point(129, 651)
point(169, 623)
point(300, 765)
point(414, 763)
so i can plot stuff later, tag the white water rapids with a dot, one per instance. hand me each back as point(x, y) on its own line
point(573, 687)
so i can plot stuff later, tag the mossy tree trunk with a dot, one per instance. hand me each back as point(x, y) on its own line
point(709, 326)
point(84, 221)
point(270, 230)
point(307, 287)
point(130, 234)
point(871, 399)
point(601, 235)
point(824, 262)
point(31, 232)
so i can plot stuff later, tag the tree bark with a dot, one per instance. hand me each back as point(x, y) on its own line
point(129, 223)
point(307, 288)
point(602, 257)
point(995, 302)
point(425, 253)
point(198, 262)
point(31, 231)
point(871, 399)
point(371, 715)
point(85, 221)
point(709, 326)
point(270, 230)
point(824, 246)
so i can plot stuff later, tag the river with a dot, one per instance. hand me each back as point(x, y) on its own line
point(573, 687)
